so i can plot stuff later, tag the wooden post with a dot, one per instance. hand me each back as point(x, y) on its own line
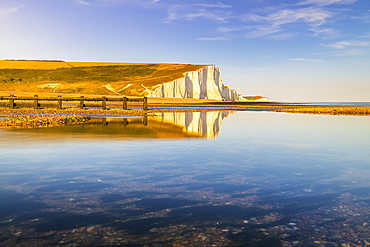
point(59, 105)
point(82, 102)
point(145, 119)
point(145, 105)
point(104, 103)
point(11, 102)
point(125, 122)
point(124, 103)
point(36, 102)
point(104, 121)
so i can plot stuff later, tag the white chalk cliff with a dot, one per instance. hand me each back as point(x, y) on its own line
point(204, 83)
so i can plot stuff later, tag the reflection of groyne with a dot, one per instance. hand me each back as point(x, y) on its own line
point(167, 125)
point(205, 124)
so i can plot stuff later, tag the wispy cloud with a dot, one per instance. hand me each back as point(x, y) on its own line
point(215, 39)
point(262, 31)
point(261, 57)
point(305, 60)
point(282, 36)
point(327, 2)
point(273, 23)
point(367, 36)
point(351, 52)
point(83, 2)
point(268, 56)
point(313, 16)
point(110, 3)
point(217, 5)
point(7, 9)
point(232, 29)
point(325, 32)
point(248, 68)
point(344, 44)
point(310, 18)
point(365, 17)
point(191, 12)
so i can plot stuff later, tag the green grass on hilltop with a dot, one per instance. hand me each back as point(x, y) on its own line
point(88, 78)
point(111, 73)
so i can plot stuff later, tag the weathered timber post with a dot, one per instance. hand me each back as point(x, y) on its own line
point(124, 103)
point(11, 102)
point(125, 122)
point(82, 102)
point(59, 104)
point(104, 121)
point(145, 105)
point(36, 102)
point(104, 103)
point(145, 119)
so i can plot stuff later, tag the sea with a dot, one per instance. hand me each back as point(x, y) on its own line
point(210, 178)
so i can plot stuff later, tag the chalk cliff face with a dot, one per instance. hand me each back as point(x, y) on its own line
point(203, 124)
point(204, 83)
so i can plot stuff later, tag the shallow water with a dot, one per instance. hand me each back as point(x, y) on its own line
point(225, 174)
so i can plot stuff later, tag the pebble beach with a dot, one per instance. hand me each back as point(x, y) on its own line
point(51, 117)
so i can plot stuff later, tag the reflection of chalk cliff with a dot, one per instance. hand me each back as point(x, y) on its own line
point(205, 124)
point(167, 125)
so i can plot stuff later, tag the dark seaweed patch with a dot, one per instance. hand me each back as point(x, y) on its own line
point(109, 198)
point(12, 202)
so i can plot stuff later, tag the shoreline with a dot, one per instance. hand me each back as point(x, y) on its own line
point(51, 117)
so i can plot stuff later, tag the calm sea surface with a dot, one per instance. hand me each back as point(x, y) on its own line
point(188, 179)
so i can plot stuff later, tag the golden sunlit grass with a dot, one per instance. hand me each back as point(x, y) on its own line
point(125, 79)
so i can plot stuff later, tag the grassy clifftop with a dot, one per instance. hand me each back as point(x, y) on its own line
point(87, 78)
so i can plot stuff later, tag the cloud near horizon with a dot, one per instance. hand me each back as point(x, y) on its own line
point(351, 52)
point(344, 44)
point(305, 60)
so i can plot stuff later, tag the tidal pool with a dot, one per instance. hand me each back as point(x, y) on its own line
point(260, 179)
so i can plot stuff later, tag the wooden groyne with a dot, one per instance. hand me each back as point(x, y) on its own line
point(58, 101)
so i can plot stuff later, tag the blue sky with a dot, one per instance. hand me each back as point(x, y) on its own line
point(303, 50)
